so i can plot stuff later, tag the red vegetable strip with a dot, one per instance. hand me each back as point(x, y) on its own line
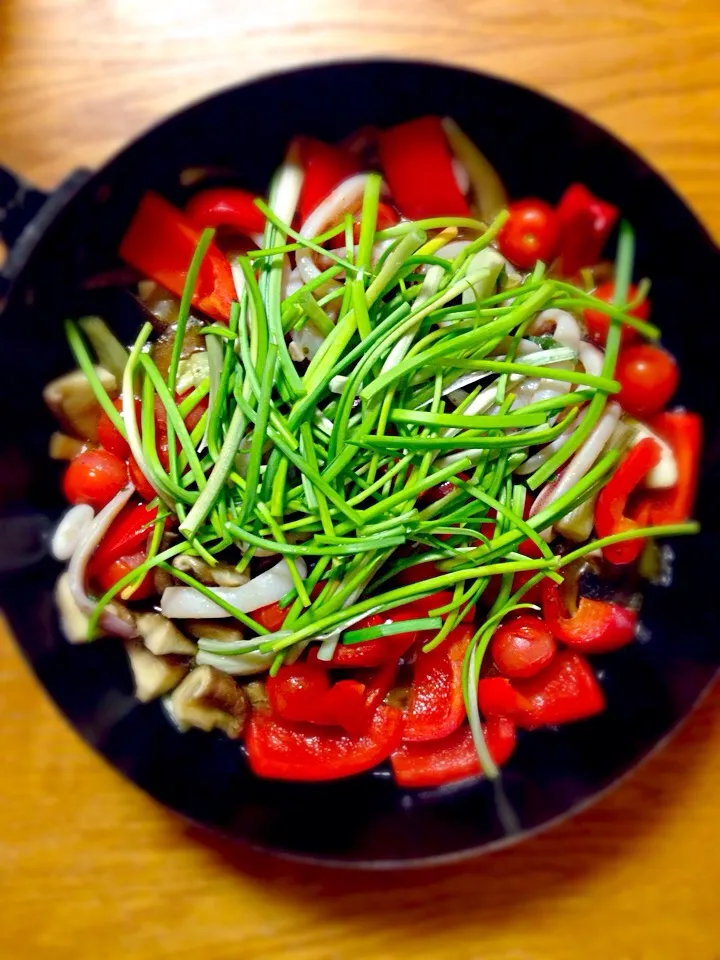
point(585, 222)
point(417, 162)
point(565, 691)
point(160, 243)
point(225, 207)
point(597, 627)
point(437, 762)
point(325, 167)
point(610, 515)
point(683, 432)
point(284, 750)
point(437, 706)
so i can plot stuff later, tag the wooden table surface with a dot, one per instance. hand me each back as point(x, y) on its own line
point(89, 866)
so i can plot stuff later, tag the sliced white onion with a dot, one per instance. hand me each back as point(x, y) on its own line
point(70, 530)
point(307, 341)
point(534, 462)
point(244, 665)
point(292, 281)
point(591, 358)
point(462, 177)
point(266, 588)
point(451, 249)
point(345, 197)
point(489, 264)
point(584, 459)
point(564, 326)
point(115, 620)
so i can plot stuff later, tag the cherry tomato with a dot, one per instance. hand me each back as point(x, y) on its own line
point(109, 435)
point(530, 233)
point(522, 647)
point(648, 377)
point(110, 575)
point(598, 323)
point(94, 477)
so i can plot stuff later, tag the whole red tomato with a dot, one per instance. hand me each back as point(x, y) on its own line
point(648, 377)
point(531, 233)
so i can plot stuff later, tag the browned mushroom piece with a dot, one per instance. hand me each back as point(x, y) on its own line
point(72, 401)
point(227, 631)
point(210, 700)
point(162, 637)
point(160, 303)
point(222, 575)
point(64, 447)
point(162, 347)
point(257, 694)
point(153, 676)
point(73, 622)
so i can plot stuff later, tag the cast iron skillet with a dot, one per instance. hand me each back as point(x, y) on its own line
point(539, 147)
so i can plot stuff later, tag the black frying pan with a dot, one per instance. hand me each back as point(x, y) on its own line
point(60, 242)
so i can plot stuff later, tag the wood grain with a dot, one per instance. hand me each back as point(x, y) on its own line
point(91, 867)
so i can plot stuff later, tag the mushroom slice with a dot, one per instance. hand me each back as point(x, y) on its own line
point(222, 575)
point(64, 447)
point(210, 700)
point(73, 622)
point(153, 675)
point(72, 400)
point(226, 631)
point(162, 637)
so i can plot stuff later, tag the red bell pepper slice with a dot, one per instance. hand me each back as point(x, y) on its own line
point(107, 576)
point(374, 653)
point(226, 207)
point(585, 222)
point(160, 243)
point(498, 698)
point(683, 432)
point(565, 691)
point(417, 162)
point(437, 706)
point(283, 750)
point(436, 762)
point(610, 515)
point(597, 627)
point(126, 535)
point(303, 692)
point(325, 166)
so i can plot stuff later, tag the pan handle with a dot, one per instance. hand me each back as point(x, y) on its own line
point(25, 214)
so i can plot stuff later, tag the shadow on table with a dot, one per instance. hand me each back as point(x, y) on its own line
point(499, 885)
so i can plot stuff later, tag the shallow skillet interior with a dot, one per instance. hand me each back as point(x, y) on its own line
point(539, 147)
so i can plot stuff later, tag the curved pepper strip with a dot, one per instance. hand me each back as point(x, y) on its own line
point(437, 705)
point(586, 222)
point(498, 698)
point(374, 653)
point(597, 627)
point(283, 750)
point(126, 535)
point(432, 764)
point(303, 692)
point(160, 243)
point(325, 166)
point(226, 207)
point(610, 509)
point(418, 166)
point(563, 692)
point(683, 432)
